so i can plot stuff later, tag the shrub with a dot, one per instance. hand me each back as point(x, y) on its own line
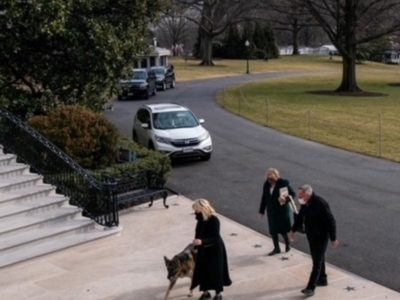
point(126, 144)
point(85, 136)
point(147, 160)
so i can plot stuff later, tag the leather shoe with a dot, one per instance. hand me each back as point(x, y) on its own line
point(273, 252)
point(205, 295)
point(307, 292)
point(217, 297)
point(287, 248)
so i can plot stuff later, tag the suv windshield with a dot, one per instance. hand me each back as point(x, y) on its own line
point(174, 120)
point(141, 75)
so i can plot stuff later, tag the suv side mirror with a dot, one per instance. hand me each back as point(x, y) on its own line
point(145, 125)
point(202, 121)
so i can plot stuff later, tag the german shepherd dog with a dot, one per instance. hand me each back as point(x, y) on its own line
point(181, 265)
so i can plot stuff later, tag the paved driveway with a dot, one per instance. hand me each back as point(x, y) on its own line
point(364, 192)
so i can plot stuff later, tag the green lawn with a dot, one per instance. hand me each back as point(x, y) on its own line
point(360, 124)
point(190, 69)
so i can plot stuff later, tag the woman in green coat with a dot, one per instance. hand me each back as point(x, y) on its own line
point(275, 200)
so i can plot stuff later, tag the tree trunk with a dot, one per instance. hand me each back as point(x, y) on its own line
point(206, 50)
point(295, 39)
point(349, 80)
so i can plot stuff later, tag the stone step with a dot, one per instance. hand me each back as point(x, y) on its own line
point(14, 224)
point(27, 193)
point(34, 219)
point(18, 182)
point(6, 159)
point(25, 252)
point(47, 231)
point(32, 207)
point(14, 169)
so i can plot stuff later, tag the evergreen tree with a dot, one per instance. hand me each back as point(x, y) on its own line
point(272, 47)
point(260, 42)
point(233, 46)
point(197, 45)
point(68, 51)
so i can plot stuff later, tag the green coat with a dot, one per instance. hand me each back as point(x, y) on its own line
point(279, 216)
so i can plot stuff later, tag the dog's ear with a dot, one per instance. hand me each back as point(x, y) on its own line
point(166, 260)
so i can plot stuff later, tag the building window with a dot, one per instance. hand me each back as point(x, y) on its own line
point(152, 61)
point(144, 63)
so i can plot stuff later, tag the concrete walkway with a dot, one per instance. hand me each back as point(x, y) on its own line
point(130, 265)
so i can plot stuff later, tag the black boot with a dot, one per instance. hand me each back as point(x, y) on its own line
point(277, 249)
point(287, 243)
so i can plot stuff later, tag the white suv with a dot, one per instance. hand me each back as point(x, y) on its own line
point(172, 129)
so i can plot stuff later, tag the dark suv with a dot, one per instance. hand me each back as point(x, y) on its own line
point(165, 77)
point(142, 83)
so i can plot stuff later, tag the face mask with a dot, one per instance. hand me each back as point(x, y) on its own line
point(199, 216)
point(301, 201)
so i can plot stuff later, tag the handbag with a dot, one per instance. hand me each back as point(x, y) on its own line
point(295, 211)
point(292, 205)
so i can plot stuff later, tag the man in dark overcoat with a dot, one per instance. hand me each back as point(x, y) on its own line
point(320, 227)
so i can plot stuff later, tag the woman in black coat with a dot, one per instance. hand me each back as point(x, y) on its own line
point(211, 269)
point(278, 208)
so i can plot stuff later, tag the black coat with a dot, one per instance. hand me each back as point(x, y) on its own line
point(318, 220)
point(211, 269)
point(279, 216)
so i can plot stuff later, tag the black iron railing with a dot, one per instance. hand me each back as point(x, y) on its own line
point(99, 200)
point(96, 198)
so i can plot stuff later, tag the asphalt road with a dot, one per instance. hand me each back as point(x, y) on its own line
point(364, 192)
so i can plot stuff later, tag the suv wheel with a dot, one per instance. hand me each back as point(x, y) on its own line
point(147, 95)
point(151, 145)
point(134, 136)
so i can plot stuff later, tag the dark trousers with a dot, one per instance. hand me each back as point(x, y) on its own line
point(275, 239)
point(318, 248)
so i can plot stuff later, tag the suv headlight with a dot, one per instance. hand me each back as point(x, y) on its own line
point(204, 136)
point(162, 140)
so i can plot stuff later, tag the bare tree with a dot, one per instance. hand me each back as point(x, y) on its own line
point(174, 28)
point(213, 17)
point(290, 16)
point(350, 23)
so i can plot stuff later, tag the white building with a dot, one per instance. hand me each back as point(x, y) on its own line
point(391, 57)
point(323, 50)
point(327, 50)
point(155, 56)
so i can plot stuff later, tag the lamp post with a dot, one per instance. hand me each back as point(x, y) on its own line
point(247, 44)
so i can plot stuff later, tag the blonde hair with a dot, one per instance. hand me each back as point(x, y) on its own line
point(203, 206)
point(272, 171)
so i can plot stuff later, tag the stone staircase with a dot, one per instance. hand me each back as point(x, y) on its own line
point(34, 219)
